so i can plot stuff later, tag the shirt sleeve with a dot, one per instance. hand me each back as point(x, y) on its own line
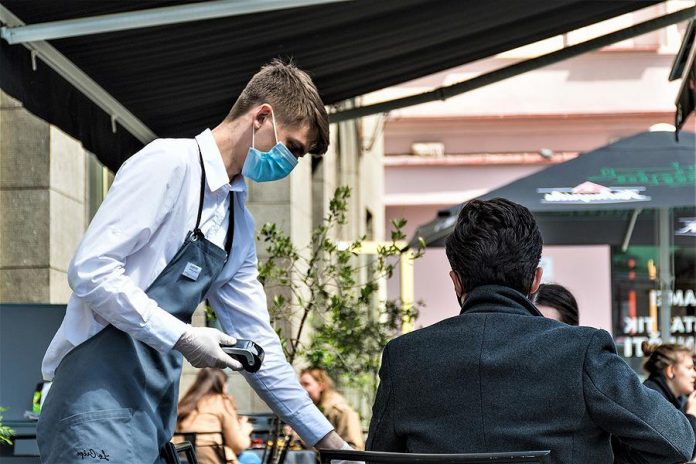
point(240, 305)
point(382, 435)
point(143, 193)
point(640, 418)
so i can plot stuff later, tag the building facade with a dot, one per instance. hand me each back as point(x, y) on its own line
point(443, 153)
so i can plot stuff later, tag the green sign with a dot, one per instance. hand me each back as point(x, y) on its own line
point(674, 175)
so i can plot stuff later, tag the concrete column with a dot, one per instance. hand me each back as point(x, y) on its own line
point(42, 214)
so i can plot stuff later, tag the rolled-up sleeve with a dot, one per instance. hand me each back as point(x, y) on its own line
point(144, 190)
point(240, 305)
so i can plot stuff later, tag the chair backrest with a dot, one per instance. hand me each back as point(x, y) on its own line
point(380, 457)
point(174, 452)
point(192, 439)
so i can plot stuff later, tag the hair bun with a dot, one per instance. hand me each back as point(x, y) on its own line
point(649, 348)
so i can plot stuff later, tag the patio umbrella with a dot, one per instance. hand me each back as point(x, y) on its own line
point(608, 195)
point(642, 173)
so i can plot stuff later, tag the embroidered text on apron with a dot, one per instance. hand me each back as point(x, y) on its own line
point(114, 398)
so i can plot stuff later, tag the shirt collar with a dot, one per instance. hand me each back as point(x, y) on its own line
point(215, 172)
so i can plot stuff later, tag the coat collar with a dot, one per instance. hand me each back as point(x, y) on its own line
point(498, 299)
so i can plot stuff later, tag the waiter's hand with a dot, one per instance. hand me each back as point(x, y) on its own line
point(201, 347)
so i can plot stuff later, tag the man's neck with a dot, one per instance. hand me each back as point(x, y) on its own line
point(230, 138)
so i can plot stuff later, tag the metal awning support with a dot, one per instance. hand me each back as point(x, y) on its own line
point(443, 93)
point(15, 34)
point(85, 84)
point(629, 229)
point(665, 274)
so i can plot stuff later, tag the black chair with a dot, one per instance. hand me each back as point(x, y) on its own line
point(192, 439)
point(375, 457)
point(277, 445)
point(174, 452)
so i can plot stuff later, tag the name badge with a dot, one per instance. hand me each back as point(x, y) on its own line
point(192, 271)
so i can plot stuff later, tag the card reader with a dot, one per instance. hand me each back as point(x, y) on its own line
point(246, 352)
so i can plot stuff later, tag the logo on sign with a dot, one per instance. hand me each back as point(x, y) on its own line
point(688, 227)
point(591, 193)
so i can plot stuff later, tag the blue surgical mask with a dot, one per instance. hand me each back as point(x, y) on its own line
point(271, 165)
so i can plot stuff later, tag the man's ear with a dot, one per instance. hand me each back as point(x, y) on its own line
point(537, 280)
point(457, 283)
point(261, 113)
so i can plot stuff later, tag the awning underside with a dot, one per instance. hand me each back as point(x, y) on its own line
point(181, 78)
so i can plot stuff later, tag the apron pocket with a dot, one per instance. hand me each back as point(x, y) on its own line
point(92, 437)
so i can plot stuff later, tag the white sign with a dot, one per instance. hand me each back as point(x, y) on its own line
point(688, 227)
point(641, 329)
point(591, 193)
point(644, 328)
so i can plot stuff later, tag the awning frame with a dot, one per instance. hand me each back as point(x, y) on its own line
point(85, 84)
point(443, 93)
point(51, 30)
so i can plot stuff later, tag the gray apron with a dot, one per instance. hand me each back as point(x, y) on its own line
point(114, 398)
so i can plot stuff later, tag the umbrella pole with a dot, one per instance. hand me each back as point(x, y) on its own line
point(664, 238)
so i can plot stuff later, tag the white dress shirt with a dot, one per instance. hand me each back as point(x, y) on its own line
point(141, 224)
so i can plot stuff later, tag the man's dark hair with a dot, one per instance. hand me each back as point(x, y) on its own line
point(559, 298)
point(495, 242)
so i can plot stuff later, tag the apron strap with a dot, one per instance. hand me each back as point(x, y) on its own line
point(230, 228)
point(229, 239)
point(197, 230)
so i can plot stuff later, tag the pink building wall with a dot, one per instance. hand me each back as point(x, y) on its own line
point(584, 270)
point(494, 135)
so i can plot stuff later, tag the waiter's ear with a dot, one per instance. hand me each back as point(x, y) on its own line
point(261, 113)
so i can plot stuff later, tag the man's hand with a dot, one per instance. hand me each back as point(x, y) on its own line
point(201, 346)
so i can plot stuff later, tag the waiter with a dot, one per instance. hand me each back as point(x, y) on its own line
point(172, 231)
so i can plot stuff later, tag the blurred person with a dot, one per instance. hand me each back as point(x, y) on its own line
point(346, 421)
point(174, 229)
point(556, 302)
point(501, 377)
point(670, 369)
point(671, 373)
point(208, 410)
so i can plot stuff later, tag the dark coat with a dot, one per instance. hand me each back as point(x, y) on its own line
point(500, 377)
point(659, 384)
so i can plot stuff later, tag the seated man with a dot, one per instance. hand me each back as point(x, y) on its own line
point(501, 377)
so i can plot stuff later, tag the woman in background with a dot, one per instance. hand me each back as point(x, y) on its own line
point(211, 413)
point(671, 374)
point(556, 302)
point(345, 420)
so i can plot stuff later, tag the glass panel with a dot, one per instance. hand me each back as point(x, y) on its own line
point(637, 299)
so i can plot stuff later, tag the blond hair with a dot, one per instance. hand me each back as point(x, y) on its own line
point(662, 356)
point(294, 98)
point(321, 376)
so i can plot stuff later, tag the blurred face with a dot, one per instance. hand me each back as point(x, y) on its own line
point(312, 387)
point(682, 376)
point(549, 312)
